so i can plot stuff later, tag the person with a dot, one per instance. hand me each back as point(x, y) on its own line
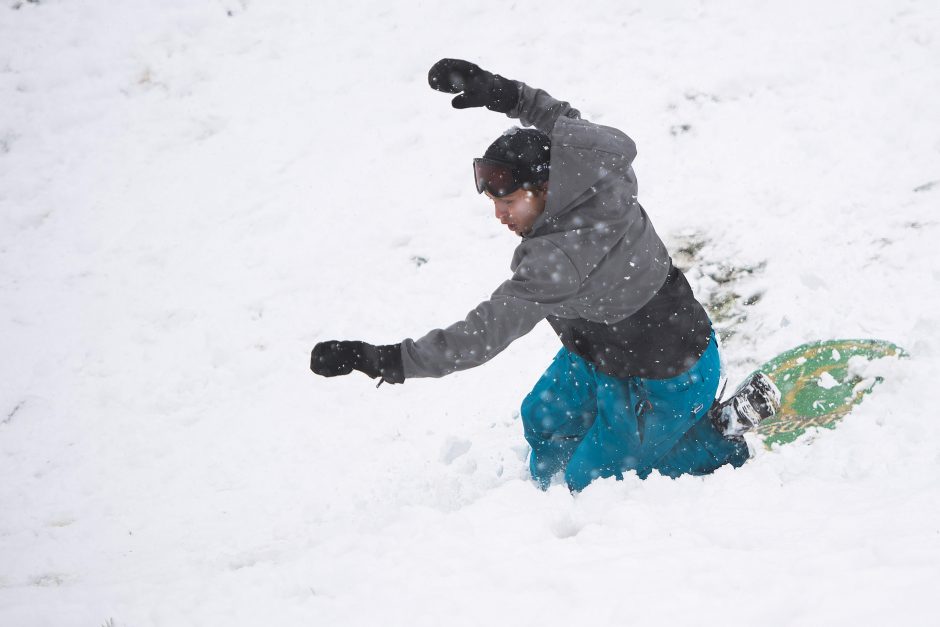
point(634, 386)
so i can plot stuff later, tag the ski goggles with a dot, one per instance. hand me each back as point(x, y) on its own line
point(495, 177)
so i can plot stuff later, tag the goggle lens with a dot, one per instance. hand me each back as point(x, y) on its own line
point(493, 177)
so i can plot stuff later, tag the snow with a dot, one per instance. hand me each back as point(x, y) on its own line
point(192, 194)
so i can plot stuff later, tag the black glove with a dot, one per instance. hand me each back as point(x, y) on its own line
point(480, 88)
point(330, 359)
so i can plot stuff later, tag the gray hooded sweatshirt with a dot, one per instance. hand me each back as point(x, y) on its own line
point(592, 264)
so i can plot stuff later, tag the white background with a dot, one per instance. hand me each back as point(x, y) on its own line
point(192, 194)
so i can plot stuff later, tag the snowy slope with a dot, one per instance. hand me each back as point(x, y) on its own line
point(192, 194)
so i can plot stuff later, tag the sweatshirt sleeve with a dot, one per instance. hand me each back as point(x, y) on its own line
point(580, 148)
point(544, 278)
point(536, 108)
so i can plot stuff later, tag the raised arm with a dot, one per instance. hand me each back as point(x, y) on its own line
point(476, 87)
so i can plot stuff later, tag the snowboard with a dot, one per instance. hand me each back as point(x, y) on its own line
point(820, 382)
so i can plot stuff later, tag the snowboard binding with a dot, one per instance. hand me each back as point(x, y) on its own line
point(756, 400)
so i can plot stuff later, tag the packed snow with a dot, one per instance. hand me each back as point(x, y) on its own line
point(192, 194)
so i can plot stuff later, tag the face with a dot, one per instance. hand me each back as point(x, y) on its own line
point(519, 210)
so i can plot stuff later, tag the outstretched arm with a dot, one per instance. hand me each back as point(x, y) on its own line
point(543, 278)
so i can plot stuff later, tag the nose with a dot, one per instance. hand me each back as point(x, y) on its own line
point(500, 211)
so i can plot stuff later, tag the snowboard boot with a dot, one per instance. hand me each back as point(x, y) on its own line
point(756, 400)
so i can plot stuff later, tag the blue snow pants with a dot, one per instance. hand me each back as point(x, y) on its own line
point(589, 425)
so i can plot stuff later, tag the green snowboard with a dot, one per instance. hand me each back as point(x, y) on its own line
point(816, 386)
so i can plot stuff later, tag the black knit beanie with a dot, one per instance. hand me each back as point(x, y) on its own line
point(527, 150)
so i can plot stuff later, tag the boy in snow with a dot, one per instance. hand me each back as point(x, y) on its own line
point(634, 386)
